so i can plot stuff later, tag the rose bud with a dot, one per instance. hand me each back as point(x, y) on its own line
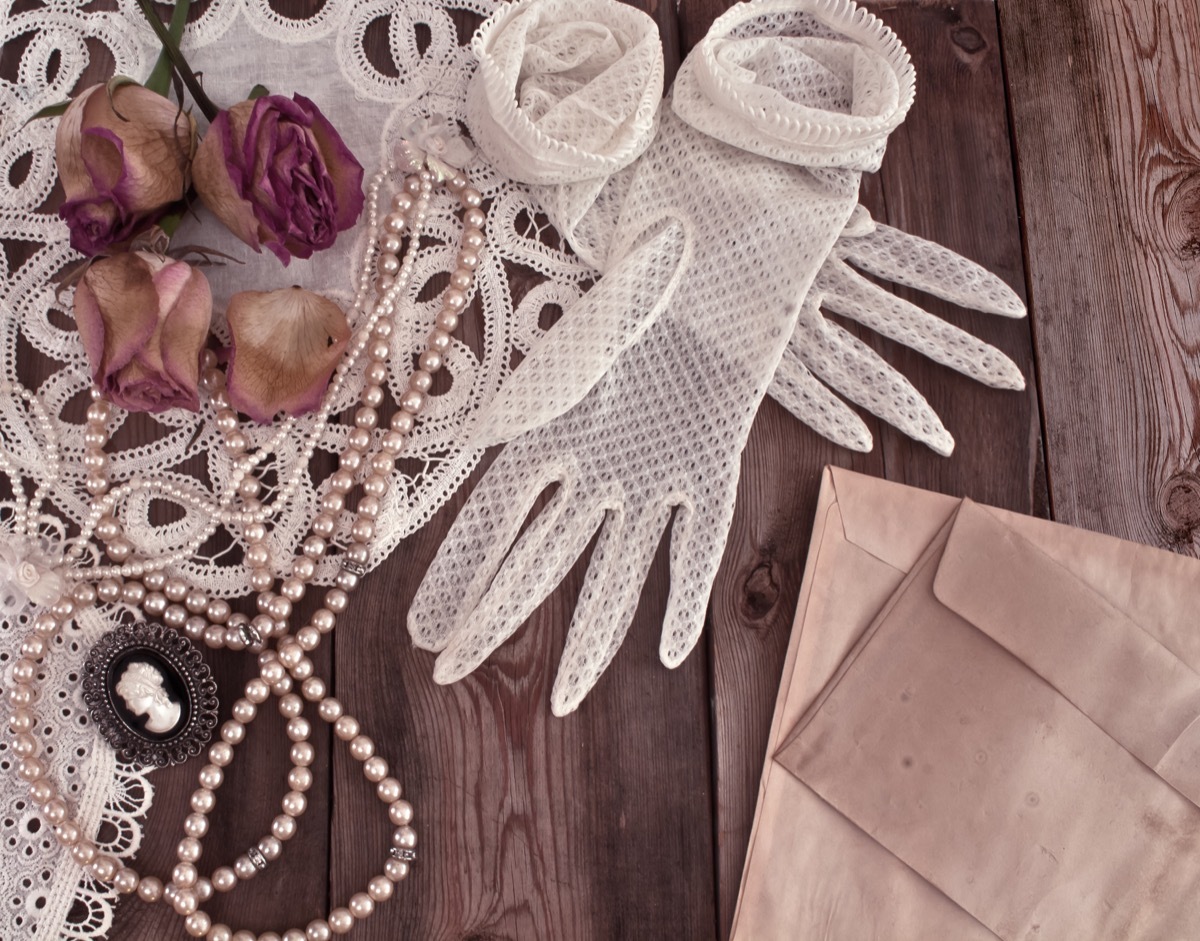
point(277, 174)
point(121, 162)
point(285, 346)
point(144, 320)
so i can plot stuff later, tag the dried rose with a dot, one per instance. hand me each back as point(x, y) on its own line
point(122, 160)
point(277, 174)
point(285, 346)
point(144, 319)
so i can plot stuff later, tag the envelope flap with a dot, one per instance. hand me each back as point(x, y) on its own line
point(893, 522)
point(1097, 657)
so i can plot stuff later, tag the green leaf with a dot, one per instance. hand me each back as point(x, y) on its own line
point(50, 111)
point(160, 79)
point(170, 222)
point(258, 91)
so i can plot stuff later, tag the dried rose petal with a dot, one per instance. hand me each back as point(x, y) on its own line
point(285, 346)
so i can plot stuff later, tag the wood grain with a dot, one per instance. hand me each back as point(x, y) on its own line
point(1106, 111)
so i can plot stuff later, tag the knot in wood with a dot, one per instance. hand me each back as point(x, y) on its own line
point(1179, 503)
point(760, 591)
point(1181, 217)
point(968, 39)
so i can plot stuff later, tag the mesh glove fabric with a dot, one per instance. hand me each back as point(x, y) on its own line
point(709, 242)
point(822, 355)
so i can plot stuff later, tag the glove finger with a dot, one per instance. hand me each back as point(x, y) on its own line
point(851, 295)
point(589, 336)
point(856, 371)
point(474, 548)
point(540, 560)
point(927, 266)
point(797, 390)
point(697, 543)
point(607, 603)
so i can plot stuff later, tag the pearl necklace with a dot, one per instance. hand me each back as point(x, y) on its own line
point(370, 453)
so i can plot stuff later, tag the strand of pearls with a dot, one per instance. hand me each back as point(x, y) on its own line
point(370, 455)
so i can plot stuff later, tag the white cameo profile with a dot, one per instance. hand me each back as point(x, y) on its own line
point(143, 688)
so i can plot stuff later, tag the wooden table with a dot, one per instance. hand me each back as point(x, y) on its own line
point(1056, 143)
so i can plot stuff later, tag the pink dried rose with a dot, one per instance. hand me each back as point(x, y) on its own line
point(144, 319)
point(278, 175)
point(121, 160)
point(285, 346)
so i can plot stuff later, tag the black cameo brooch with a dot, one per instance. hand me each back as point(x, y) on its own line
point(150, 694)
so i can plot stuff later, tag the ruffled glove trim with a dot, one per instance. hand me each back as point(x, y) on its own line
point(819, 83)
point(589, 110)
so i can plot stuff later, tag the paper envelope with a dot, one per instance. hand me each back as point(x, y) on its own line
point(988, 727)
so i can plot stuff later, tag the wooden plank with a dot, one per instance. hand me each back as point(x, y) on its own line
point(1107, 123)
point(947, 176)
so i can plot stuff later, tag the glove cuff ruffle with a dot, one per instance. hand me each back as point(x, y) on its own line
point(820, 83)
point(566, 90)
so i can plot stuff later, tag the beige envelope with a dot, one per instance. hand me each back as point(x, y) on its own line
point(988, 727)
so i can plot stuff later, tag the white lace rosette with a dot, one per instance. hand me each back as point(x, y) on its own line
point(181, 466)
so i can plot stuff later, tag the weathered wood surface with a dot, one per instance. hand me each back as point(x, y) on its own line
point(629, 819)
point(1106, 110)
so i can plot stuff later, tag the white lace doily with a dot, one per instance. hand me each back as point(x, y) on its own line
point(235, 43)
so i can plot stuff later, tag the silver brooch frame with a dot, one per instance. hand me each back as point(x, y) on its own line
point(150, 694)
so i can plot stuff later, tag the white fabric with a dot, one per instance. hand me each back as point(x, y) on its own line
point(640, 402)
point(236, 43)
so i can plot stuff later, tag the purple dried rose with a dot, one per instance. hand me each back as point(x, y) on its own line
point(278, 175)
point(122, 159)
point(144, 319)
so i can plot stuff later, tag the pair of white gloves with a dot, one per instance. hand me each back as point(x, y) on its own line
point(723, 219)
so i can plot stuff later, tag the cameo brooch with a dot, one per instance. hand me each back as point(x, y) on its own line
point(150, 694)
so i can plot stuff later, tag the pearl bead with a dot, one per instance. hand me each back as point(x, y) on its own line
point(224, 879)
point(362, 748)
point(195, 825)
point(154, 604)
point(330, 709)
point(244, 710)
point(303, 568)
point(300, 779)
point(126, 881)
point(323, 523)
point(318, 930)
point(361, 905)
point(108, 590)
point(175, 616)
point(474, 219)
point(104, 868)
point(447, 320)
point(324, 620)
point(189, 849)
point(54, 811)
point(336, 600)
point(376, 769)
point(260, 579)
point(134, 593)
point(233, 732)
point(470, 197)
point(204, 889)
point(462, 278)
point(30, 769)
point(203, 801)
point(412, 401)
point(84, 594)
point(395, 869)
point(280, 608)
point(468, 259)
point(302, 754)
point(186, 902)
point(346, 580)
point(294, 803)
point(395, 223)
point(430, 361)
point(291, 706)
point(197, 924)
point(270, 847)
point(388, 264)
point(298, 729)
point(380, 888)
point(294, 934)
point(68, 833)
point(388, 790)
point(346, 728)
point(340, 921)
point(366, 417)
point(184, 875)
point(472, 238)
point(400, 813)
point(438, 340)
point(195, 626)
point(404, 838)
point(219, 932)
point(150, 889)
point(283, 827)
point(244, 868)
point(211, 777)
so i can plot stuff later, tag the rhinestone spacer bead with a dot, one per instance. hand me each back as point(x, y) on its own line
point(254, 854)
point(406, 854)
point(250, 635)
point(354, 567)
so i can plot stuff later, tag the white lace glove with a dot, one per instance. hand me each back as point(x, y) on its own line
point(642, 402)
point(822, 350)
